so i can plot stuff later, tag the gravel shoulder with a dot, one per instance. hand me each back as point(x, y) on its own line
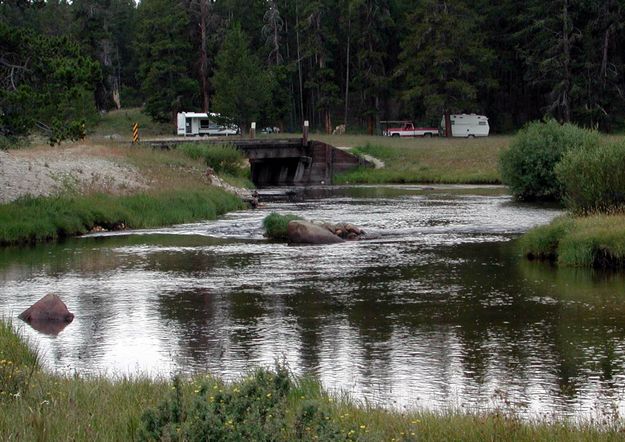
point(78, 167)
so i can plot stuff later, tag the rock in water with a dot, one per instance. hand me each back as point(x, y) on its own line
point(304, 232)
point(49, 308)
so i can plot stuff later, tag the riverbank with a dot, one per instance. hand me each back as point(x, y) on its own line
point(266, 404)
point(51, 193)
point(596, 241)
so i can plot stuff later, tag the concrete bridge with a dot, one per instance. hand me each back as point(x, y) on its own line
point(282, 162)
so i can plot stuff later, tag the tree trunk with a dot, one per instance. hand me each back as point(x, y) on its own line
point(204, 55)
point(448, 132)
point(299, 63)
point(349, 37)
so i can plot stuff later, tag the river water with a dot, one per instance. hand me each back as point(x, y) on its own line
point(439, 312)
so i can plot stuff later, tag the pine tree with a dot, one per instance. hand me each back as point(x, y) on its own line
point(444, 61)
point(164, 52)
point(242, 87)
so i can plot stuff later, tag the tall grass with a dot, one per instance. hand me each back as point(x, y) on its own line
point(17, 362)
point(451, 162)
point(594, 178)
point(222, 158)
point(591, 241)
point(31, 220)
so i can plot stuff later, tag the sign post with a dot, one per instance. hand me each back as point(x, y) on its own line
point(305, 134)
point(135, 133)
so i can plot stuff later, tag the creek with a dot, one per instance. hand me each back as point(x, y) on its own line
point(440, 312)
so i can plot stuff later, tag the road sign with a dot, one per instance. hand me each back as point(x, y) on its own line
point(135, 133)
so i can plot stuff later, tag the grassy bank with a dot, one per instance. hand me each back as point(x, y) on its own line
point(176, 191)
point(450, 161)
point(32, 220)
point(266, 405)
point(587, 241)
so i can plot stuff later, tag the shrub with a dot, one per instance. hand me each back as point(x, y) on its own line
point(253, 409)
point(222, 158)
point(528, 166)
point(593, 178)
point(276, 225)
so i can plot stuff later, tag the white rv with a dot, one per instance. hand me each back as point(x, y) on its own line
point(467, 125)
point(194, 123)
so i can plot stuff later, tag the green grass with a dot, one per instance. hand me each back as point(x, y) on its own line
point(276, 225)
point(590, 241)
point(119, 122)
point(32, 220)
point(450, 161)
point(265, 405)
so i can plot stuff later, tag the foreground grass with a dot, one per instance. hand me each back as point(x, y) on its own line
point(590, 241)
point(266, 405)
point(450, 161)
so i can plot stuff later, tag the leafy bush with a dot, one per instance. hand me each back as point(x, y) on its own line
point(253, 409)
point(222, 158)
point(594, 178)
point(528, 166)
point(276, 225)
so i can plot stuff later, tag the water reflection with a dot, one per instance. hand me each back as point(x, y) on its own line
point(437, 313)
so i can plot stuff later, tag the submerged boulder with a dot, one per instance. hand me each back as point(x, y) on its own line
point(50, 308)
point(304, 232)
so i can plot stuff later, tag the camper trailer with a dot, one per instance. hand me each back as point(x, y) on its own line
point(467, 125)
point(194, 123)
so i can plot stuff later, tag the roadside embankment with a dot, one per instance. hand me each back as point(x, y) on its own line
point(265, 405)
point(50, 193)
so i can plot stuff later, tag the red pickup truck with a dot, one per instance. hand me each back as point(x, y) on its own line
point(408, 130)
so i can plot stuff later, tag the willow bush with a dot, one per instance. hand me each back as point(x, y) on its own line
point(528, 167)
point(594, 178)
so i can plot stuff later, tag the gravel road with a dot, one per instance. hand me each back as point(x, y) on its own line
point(39, 172)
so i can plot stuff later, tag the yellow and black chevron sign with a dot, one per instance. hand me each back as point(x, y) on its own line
point(135, 133)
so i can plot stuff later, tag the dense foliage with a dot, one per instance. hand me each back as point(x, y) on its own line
point(593, 178)
point(328, 61)
point(528, 167)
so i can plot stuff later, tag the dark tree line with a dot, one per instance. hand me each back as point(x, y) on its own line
point(352, 62)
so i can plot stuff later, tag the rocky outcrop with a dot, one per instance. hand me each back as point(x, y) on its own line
point(50, 308)
point(304, 232)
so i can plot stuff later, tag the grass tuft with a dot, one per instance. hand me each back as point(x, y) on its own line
point(276, 225)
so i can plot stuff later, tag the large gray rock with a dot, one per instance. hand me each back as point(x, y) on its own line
point(304, 232)
point(50, 308)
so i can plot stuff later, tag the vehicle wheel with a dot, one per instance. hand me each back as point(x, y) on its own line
point(395, 135)
point(428, 135)
point(470, 136)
